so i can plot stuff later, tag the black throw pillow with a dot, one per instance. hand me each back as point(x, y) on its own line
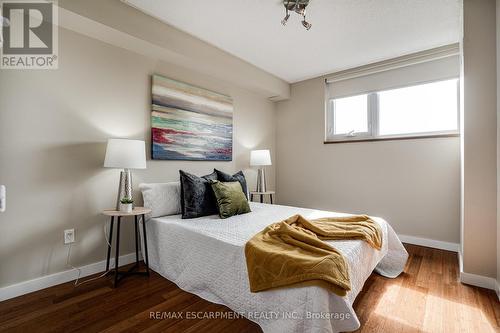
point(237, 177)
point(197, 196)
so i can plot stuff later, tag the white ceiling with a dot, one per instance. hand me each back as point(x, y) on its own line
point(345, 33)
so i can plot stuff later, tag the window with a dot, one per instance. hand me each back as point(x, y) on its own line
point(351, 115)
point(422, 110)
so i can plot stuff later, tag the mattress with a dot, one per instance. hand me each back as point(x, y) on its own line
point(205, 256)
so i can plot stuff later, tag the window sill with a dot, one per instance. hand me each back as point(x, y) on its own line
point(412, 137)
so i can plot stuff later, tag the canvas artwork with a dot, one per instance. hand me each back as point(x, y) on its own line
point(190, 123)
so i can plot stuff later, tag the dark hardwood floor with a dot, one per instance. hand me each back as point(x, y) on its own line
point(426, 298)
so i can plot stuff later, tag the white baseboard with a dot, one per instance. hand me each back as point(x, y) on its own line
point(479, 281)
point(460, 262)
point(498, 291)
point(46, 281)
point(436, 244)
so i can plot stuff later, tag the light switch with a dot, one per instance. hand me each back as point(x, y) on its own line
point(3, 195)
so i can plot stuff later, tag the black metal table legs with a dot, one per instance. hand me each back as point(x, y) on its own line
point(146, 259)
point(118, 275)
point(117, 251)
point(136, 245)
point(262, 197)
point(109, 244)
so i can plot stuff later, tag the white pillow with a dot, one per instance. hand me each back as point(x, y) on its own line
point(162, 198)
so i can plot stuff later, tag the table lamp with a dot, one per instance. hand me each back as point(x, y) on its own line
point(260, 158)
point(125, 154)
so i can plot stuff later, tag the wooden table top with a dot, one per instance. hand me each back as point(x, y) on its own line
point(135, 211)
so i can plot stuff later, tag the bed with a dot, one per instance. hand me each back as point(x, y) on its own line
point(205, 256)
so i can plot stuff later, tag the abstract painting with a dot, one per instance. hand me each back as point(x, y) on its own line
point(190, 123)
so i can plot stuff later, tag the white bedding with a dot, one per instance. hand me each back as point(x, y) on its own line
point(205, 256)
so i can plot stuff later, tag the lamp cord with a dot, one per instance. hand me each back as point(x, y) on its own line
point(68, 260)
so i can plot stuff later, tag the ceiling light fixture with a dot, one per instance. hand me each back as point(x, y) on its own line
point(298, 6)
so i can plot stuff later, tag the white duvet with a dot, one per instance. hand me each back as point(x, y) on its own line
point(205, 256)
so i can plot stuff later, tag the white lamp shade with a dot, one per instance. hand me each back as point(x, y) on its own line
point(260, 157)
point(125, 154)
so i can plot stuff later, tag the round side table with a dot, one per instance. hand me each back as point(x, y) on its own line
point(137, 211)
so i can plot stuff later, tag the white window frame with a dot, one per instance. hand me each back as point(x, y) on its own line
point(354, 135)
point(373, 119)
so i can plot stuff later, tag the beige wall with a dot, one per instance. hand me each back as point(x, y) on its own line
point(414, 184)
point(53, 129)
point(480, 130)
point(498, 141)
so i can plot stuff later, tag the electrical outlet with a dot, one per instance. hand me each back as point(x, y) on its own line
point(69, 236)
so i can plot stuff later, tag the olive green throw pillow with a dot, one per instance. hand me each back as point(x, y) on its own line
point(230, 198)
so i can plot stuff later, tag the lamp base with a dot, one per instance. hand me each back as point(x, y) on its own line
point(125, 187)
point(261, 180)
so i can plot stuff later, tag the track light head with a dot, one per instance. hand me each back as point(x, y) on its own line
point(285, 19)
point(306, 24)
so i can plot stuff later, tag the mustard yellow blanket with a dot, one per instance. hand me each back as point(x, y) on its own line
point(292, 252)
